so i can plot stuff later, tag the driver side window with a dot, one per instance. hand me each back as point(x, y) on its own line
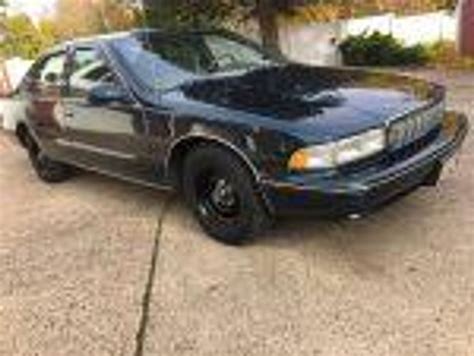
point(89, 69)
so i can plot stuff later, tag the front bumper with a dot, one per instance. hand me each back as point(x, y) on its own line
point(361, 192)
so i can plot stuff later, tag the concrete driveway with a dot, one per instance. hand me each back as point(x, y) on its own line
point(99, 267)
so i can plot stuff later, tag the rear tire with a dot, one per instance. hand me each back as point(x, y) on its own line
point(47, 169)
point(221, 191)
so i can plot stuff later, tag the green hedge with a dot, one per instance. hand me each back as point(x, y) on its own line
point(377, 49)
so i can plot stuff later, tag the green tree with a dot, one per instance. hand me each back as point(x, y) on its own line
point(75, 18)
point(21, 37)
point(165, 13)
point(48, 33)
point(268, 12)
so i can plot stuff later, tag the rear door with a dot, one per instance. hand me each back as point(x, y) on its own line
point(104, 123)
point(41, 90)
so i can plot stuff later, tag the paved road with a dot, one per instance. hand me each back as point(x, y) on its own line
point(74, 259)
point(99, 267)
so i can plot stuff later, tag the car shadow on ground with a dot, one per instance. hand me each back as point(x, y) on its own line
point(408, 224)
point(287, 231)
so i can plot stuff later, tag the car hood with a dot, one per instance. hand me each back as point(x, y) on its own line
point(329, 101)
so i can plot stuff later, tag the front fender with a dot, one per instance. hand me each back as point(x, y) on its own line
point(239, 140)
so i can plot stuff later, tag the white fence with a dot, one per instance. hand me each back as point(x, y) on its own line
point(316, 43)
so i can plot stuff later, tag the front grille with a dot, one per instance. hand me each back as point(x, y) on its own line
point(414, 126)
point(406, 137)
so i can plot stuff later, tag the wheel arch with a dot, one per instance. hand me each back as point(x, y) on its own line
point(182, 147)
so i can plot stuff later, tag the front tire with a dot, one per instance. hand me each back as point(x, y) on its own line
point(222, 194)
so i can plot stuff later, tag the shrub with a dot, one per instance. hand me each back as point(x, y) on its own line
point(444, 54)
point(377, 49)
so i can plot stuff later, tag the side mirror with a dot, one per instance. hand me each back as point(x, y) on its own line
point(51, 78)
point(107, 93)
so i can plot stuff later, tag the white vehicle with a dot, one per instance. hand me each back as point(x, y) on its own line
point(11, 108)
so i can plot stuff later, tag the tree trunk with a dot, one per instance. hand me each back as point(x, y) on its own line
point(162, 12)
point(268, 22)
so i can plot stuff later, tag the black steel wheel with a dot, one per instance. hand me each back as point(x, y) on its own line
point(222, 194)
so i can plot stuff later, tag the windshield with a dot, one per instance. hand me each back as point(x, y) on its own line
point(164, 61)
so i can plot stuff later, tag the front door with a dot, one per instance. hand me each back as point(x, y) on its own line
point(105, 127)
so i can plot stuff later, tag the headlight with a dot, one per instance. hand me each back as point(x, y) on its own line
point(340, 152)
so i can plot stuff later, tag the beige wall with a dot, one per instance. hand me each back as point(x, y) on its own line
point(314, 42)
